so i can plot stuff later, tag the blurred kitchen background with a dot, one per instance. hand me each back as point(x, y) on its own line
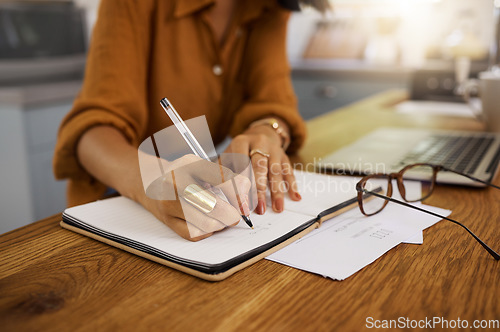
point(364, 47)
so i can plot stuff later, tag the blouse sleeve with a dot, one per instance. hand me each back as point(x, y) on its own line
point(114, 89)
point(268, 86)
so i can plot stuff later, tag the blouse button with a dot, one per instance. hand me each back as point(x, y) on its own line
point(217, 69)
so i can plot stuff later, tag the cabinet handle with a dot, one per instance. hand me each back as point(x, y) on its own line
point(327, 91)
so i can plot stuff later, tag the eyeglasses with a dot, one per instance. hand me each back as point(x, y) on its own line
point(371, 199)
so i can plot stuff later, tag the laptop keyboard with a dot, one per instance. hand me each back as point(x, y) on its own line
point(459, 153)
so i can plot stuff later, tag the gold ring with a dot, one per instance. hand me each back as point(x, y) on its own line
point(254, 151)
point(200, 198)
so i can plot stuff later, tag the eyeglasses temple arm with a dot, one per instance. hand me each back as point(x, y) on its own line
point(485, 246)
point(470, 177)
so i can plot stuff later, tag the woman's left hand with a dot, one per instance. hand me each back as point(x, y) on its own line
point(270, 163)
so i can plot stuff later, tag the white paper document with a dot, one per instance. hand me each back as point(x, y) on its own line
point(416, 239)
point(349, 242)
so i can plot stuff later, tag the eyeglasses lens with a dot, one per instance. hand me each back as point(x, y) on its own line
point(423, 173)
point(371, 203)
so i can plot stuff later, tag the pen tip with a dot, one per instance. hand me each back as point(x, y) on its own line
point(247, 220)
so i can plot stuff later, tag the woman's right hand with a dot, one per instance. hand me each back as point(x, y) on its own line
point(105, 153)
point(164, 196)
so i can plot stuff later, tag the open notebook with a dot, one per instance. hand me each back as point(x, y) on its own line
point(122, 223)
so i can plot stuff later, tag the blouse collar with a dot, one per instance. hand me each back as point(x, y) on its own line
point(252, 8)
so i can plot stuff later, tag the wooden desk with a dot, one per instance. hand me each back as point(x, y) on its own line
point(51, 278)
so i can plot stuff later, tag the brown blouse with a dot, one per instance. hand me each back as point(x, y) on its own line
point(144, 50)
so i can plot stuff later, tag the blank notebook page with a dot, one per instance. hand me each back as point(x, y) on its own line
point(320, 192)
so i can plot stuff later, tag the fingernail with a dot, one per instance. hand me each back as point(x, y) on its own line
point(298, 197)
point(278, 205)
point(261, 207)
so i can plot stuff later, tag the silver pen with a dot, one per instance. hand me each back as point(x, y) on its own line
point(195, 146)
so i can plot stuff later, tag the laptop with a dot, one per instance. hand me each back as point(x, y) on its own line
point(388, 149)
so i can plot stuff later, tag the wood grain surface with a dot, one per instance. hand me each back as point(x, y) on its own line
point(53, 279)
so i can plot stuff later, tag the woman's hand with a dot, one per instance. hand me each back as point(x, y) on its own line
point(270, 164)
point(105, 153)
point(196, 212)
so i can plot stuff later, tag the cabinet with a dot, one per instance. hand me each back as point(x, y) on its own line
point(324, 85)
point(29, 120)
